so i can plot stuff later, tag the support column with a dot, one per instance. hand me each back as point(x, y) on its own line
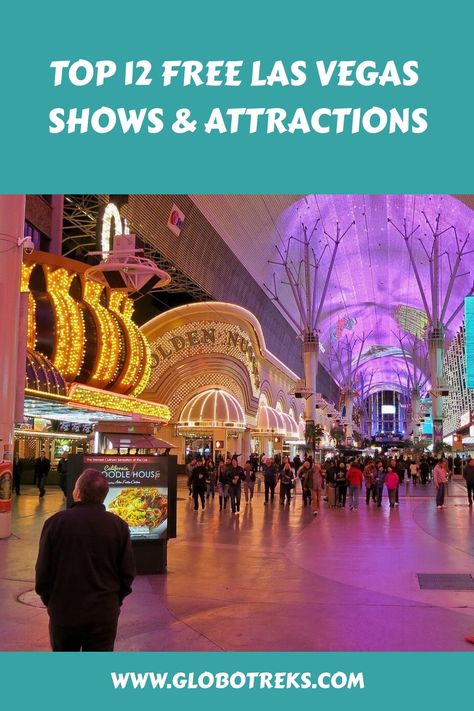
point(12, 222)
point(415, 413)
point(409, 420)
point(57, 204)
point(311, 360)
point(22, 349)
point(246, 444)
point(436, 352)
point(349, 403)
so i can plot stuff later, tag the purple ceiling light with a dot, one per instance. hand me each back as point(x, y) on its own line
point(301, 263)
point(444, 252)
point(345, 361)
point(374, 279)
point(373, 285)
point(415, 364)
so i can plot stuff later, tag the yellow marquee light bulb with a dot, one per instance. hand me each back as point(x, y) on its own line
point(26, 270)
point(92, 397)
point(138, 362)
point(31, 323)
point(69, 337)
point(108, 337)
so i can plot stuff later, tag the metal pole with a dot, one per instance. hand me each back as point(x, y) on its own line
point(415, 408)
point(349, 402)
point(12, 221)
point(57, 205)
point(22, 348)
point(310, 361)
point(435, 350)
point(436, 285)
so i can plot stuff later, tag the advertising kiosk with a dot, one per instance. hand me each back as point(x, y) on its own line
point(142, 491)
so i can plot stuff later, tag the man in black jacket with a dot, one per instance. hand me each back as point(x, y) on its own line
point(42, 467)
point(271, 471)
point(84, 570)
point(62, 471)
point(198, 483)
point(469, 477)
point(236, 476)
point(17, 472)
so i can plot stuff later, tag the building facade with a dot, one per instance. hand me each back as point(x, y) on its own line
point(226, 391)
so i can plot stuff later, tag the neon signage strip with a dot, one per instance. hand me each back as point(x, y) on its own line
point(92, 397)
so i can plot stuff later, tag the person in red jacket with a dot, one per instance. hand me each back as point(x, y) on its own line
point(391, 482)
point(354, 477)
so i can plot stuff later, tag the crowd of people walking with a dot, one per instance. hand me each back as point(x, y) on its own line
point(339, 481)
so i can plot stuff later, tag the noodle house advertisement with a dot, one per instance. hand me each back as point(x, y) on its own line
point(142, 491)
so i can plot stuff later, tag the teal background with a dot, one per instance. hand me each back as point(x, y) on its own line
point(440, 38)
point(469, 336)
point(392, 681)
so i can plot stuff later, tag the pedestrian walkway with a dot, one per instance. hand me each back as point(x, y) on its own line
point(274, 578)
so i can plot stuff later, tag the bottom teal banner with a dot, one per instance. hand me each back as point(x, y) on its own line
point(179, 680)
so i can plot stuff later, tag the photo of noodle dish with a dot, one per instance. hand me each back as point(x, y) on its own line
point(144, 509)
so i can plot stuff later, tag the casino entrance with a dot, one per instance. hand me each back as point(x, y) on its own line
point(198, 443)
point(212, 423)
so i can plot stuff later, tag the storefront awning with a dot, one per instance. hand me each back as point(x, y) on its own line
point(137, 441)
point(213, 408)
point(274, 422)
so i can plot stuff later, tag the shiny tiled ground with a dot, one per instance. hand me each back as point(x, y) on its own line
point(276, 579)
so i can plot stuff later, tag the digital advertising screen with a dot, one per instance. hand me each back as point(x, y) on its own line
point(138, 492)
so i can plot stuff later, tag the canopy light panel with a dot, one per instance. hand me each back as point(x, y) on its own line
point(373, 287)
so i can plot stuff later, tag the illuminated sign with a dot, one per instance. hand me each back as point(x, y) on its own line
point(122, 404)
point(204, 337)
point(27, 424)
point(412, 320)
point(93, 332)
point(111, 212)
point(388, 409)
point(469, 334)
point(41, 425)
point(346, 323)
point(465, 419)
point(428, 427)
point(176, 220)
point(74, 427)
point(138, 492)
point(6, 477)
point(386, 437)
